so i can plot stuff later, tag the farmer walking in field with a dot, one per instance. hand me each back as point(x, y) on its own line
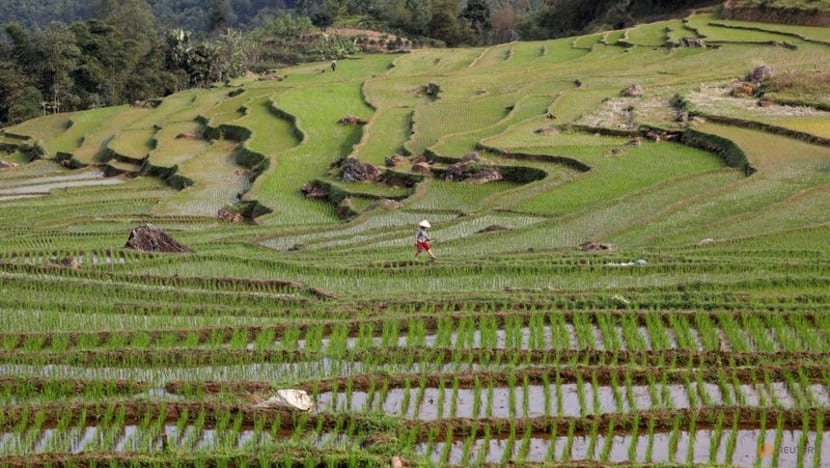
point(422, 239)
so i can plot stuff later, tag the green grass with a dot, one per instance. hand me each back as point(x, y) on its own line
point(649, 35)
point(384, 136)
point(82, 122)
point(271, 134)
point(133, 143)
point(178, 142)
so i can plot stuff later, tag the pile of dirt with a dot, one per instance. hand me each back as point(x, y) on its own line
point(148, 238)
point(546, 131)
point(484, 175)
point(691, 42)
point(421, 167)
point(385, 204)
point(71, 262)
point(230, 216)
point(493, 228)
point(634, 90)
point(189, 136)
point(593, 245)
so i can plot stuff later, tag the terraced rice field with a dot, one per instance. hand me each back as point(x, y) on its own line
point(699, 336)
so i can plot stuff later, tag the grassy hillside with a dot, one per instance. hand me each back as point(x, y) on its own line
point(691, 328)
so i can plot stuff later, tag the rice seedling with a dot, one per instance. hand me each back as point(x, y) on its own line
point(488, 409)
point(580, 393)
point(674, 437)
point(593, 434)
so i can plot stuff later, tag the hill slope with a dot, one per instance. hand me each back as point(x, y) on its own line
point(630, 235)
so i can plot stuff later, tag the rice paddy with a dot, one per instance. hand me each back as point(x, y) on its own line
point(635, 288)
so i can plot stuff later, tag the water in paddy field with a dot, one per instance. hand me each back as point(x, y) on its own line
point(750, 448)
point(545, 338)
point(132, 438)
point(33, 187)
point(431, 404)
point(523, 339)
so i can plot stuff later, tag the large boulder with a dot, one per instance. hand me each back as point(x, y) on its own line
point(291, 399)
point(352, 170)
point(148, 238)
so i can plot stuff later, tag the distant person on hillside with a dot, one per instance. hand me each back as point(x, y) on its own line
point(333, 65)
point(422, 239)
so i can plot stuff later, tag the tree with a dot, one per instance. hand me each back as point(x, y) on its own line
point(25, 105)
point(504, 21)
point(16, 104)
point(322, 19)
point(477, 15)
point(103, 65)
point(307, 7)
point(275, 42)
point(445, 24)
point(57, 56)
point(133, 19)
point(221, 15)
